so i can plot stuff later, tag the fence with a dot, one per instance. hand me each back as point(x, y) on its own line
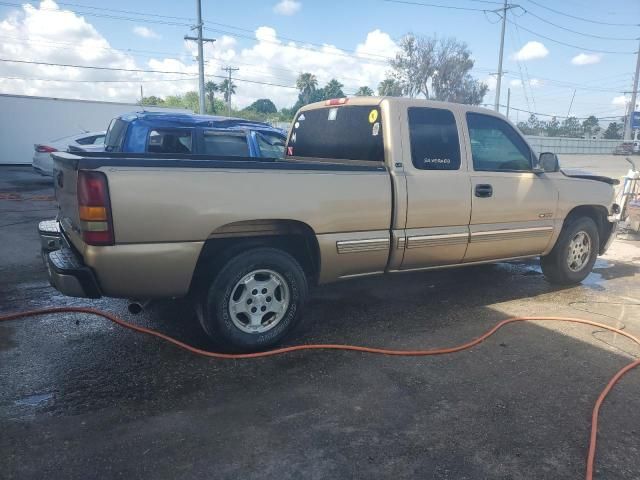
point(572, 145)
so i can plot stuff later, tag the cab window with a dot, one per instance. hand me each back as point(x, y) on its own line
point(225, 143)
point(270, 145)
point(434, 139)
point(169, 141)
point(496, 146)
point(346, 132)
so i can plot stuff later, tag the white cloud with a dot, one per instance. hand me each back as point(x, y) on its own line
point(620, 101)
point(145, 32)
point(533, 83)
point(586, 59)
point(60, 36)
point(287, 7)
point(531, 51)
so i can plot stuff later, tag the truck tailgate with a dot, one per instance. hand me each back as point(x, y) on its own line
point(65, 181)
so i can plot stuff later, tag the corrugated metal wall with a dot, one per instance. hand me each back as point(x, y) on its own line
point(572, 145)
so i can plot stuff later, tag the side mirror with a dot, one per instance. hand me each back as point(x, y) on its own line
point(548, 162)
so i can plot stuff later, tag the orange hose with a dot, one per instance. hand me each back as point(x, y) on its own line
point(382, 351)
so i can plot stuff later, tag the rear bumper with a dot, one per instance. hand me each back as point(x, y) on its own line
point(66, 271)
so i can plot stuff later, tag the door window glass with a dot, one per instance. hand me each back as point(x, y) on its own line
point(434, 139)
point(495, 145)
point(226, 144)
point(271, 145)
point(169, 141)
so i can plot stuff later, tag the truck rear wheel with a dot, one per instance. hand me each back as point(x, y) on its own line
point(574, 254)
point(255, 300)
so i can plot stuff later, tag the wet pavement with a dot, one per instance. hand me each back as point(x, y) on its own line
point(82, 398)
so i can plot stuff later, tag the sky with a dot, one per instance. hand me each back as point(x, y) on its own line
point(272, 41)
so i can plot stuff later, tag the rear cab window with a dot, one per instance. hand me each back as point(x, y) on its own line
point(433, 135)
point(345, 132)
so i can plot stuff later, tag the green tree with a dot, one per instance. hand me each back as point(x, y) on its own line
point(306, 84)
point(173, 101)
point(590, 126)
point(437, 69)
point(191, 101)
point(211, 88)
point(613, 131)
point(228, 89)
point(263, 105)
point(532, 126)
point(364, 92)
point(552, 127)
point(390, 87)
point(152, 100)
point(333, 89)
point(571, 127)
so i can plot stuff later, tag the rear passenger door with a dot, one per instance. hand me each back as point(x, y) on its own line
point(439, 204)
point(513, 208)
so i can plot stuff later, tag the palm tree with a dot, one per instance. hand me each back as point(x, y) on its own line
point(390, 87)
point(364, 92)
point(211, 88)
point(228, 89)
point(306, 83)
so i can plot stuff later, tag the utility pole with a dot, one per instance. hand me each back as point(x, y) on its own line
point(229, 70)
point(571, 104)
point(200, 41)
point(141, 94)
point(632, 105)
point(508, 101)
point(499, 82)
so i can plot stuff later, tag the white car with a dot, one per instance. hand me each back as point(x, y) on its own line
point(42, 161)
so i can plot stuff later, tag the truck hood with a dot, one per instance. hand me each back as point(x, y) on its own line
point(576, 173)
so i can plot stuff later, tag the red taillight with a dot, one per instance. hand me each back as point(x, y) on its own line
point(94, 208)
point(336, 101)
point(45, 149)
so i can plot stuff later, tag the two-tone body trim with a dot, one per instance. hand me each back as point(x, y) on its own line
point(511, 234)
point(368, 245)
point(421, 241)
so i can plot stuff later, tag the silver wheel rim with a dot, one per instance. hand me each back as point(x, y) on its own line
point(579, 251)
point(259, 301)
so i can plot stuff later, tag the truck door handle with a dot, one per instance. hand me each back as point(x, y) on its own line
point(484, 190)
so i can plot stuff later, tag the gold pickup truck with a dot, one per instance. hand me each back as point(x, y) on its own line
point(367, 186)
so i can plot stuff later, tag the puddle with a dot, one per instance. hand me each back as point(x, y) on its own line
point(34, 400)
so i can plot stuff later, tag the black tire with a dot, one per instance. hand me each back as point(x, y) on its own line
point(214, 313)
point(555, 265)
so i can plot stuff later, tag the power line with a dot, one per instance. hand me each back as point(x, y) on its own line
point(100, 81)
point(529, 12)
point(450, 7)
point(582, 48)
point(137, 70)
point(597, 22)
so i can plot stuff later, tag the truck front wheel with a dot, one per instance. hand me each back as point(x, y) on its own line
point(255, 300)
point(574, 254)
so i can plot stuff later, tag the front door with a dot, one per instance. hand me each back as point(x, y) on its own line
point(512, 209)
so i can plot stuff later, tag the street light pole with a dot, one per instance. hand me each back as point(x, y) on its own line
point(200, 41)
